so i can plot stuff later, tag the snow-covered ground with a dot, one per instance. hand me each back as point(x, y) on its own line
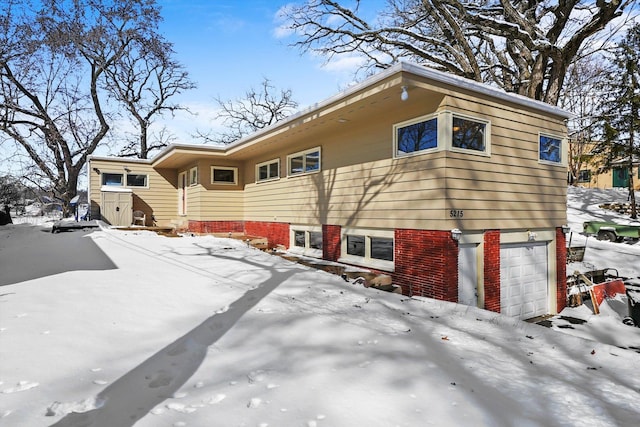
point(199, 331)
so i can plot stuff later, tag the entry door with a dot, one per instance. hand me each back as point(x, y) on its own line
point(182, 193)
point(468, 275)
point(621, 177)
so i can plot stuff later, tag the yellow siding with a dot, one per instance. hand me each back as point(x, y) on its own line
point(362, 186)
point(159, 199)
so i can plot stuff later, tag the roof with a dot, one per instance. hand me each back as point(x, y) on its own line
point(407, 68)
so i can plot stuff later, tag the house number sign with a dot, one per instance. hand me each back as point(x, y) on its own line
point(456, 213)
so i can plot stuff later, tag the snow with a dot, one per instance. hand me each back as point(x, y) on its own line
point(199, 331)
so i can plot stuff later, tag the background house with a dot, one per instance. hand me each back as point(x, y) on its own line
point(453, 188)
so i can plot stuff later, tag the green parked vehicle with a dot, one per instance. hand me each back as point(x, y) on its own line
point(611, 231)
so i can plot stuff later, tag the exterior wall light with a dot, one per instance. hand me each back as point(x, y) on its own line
point(456, 234)
point(96, 170)
point(404, 95)
point(566, 229)
point(531, 236)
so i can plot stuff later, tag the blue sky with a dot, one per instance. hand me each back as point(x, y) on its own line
point(229, 46)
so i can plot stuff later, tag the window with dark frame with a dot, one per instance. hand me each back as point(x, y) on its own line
point(221, 175)
point(584, 175)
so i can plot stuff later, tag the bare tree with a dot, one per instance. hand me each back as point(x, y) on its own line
point(582, 95)
point(524, 47)
point(52, 75)
point(256, 110)
point(621, 116)
point(144, 80)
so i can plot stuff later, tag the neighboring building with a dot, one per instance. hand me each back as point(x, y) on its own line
point(592, 174)
point(455, 189)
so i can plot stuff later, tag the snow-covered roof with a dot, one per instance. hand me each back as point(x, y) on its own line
point(418, 70)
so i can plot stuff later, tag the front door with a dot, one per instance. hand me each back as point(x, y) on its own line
point(182, 193)
point(621, 177)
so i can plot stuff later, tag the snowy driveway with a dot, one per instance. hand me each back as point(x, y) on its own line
point(28, 253)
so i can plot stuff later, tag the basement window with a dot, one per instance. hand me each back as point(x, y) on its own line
point(306, 240)
point(368, 248)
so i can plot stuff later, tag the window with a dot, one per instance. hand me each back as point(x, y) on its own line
point(415, 136)
point(315, 240)
point(467, 134)
point(550, 149)
point(306, 240)
point(584, 175)
point(368, 247)
point(382, 248)
point(304, 162)
point(355, 245)
point(268, 170)
point(136, 180)
point(224, 175)
point(193, 176)
point(112, 179)
point(299, 238)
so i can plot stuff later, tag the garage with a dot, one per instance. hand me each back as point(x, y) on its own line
point(524, 288)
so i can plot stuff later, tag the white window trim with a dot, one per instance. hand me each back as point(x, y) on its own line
point(366, 261)
point(230, 168)
point(268, 163)
point(306, 251)
point(448, 119)
point(440, 133)
point(563, 150)
point(193, 176)
point(103, 173)
point(304, 154)
point(124, 179)
point(136, 186)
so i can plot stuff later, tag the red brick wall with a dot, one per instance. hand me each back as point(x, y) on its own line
point(561, 269)
point(492, 270)
point(276, 232)
point(331, 242)
point(426, 263)
point(216, 226)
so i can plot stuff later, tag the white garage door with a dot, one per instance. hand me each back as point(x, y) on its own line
point(524, 289)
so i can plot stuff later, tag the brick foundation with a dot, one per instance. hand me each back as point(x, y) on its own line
point(216, 226)
point(276, 232)
point(426, 263)
point(492, 270)
point(561, 269)
point(331, 242)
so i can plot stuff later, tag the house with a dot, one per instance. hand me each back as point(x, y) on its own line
point(453, 188)
point(591, 173)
